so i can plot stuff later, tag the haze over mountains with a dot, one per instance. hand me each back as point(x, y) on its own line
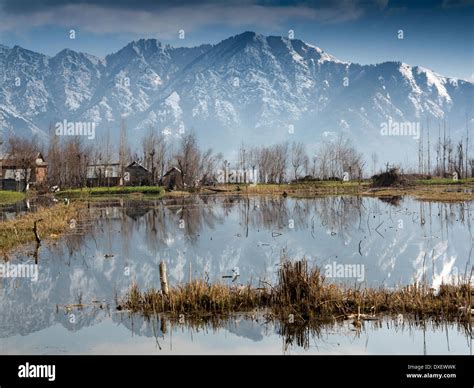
point(249, 88)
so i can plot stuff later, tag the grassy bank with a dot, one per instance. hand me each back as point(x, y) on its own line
point(444, 190)
point(306, 294)
point(435, 192)
point(307, 189)
point(111, 191)
point(9, 197)
point(424, 190)
point(444, 181)
point(51, 222)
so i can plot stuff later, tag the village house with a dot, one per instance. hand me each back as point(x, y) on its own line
point(137, 175)
point(105, 174)
point(109, 175)
point(12, 173)
point(172, 179)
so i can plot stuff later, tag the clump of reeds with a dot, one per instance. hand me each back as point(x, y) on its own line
point(51, 221)
point(306, 294)
point(196, 297)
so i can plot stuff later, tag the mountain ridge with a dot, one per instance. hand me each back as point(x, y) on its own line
point(248, 86)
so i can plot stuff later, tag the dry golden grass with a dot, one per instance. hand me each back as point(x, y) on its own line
point(304, 293)
point(52, 221)
point(421, 191)
point(426, 193)
point(177, 193)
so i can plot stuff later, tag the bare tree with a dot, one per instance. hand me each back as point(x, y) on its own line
point(124, 149)
point(459, 164)
point(54, 157)
point(208, 164)
point(23, 152)
point(337, 157)
point(298, 157)
point(374, 157)
point(280, 154)
point(155, 152)
point(188, 159)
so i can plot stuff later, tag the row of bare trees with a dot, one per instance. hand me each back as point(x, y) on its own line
point(284, 162)
point(69, 158)
point(446, 156)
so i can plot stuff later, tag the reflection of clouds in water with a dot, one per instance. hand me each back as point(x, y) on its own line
point(229, 232)
point(178, 266)
point(436, 266)
point(244, 337)
point(446, 274)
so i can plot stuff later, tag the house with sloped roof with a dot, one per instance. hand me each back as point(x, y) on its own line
point(172, 179)
point(137, 175)
point(12, 173)
point(134, 174)
point(103, 174)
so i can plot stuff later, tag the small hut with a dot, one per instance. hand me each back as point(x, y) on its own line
point(172, 179)
point(137, 175)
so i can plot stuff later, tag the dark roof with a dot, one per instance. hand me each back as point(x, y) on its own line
point(12, 162)
point(138, 165)
point(172, 169)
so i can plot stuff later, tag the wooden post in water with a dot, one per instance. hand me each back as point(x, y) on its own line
point(163, 279)
point(35, 231)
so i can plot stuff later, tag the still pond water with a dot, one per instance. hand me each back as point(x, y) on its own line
point(215, 238)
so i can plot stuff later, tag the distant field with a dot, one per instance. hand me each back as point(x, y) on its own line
point(118, 190)
point(7, 197)
point(444, 181)
point(272, 187)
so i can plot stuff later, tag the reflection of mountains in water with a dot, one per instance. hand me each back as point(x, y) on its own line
point(220, 234)
point(158, 327)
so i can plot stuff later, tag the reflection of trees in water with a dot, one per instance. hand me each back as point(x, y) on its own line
point(269, 213)
point(162, 220)
point(301, 334)
point(305, 335)
point(186, 215)
point(337, 213)
point(334, 213)
point(442, 216)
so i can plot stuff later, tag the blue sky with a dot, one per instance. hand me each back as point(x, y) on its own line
point(437, 34)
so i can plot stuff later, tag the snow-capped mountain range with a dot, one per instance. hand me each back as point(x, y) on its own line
point(249, 87)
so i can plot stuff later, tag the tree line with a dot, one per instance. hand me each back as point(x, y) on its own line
point(335, 159)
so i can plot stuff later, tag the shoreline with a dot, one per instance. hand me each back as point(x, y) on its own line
point(18, 231)
point(437, 190)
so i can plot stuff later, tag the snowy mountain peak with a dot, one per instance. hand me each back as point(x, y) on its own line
point(249, 85)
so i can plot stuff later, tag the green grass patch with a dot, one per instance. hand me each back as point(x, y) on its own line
point(8, 197)
point(116, 190)
point(444, 181)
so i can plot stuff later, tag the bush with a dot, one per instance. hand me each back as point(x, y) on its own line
point(389, 178)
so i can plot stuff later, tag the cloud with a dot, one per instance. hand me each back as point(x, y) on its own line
point(167, 17)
